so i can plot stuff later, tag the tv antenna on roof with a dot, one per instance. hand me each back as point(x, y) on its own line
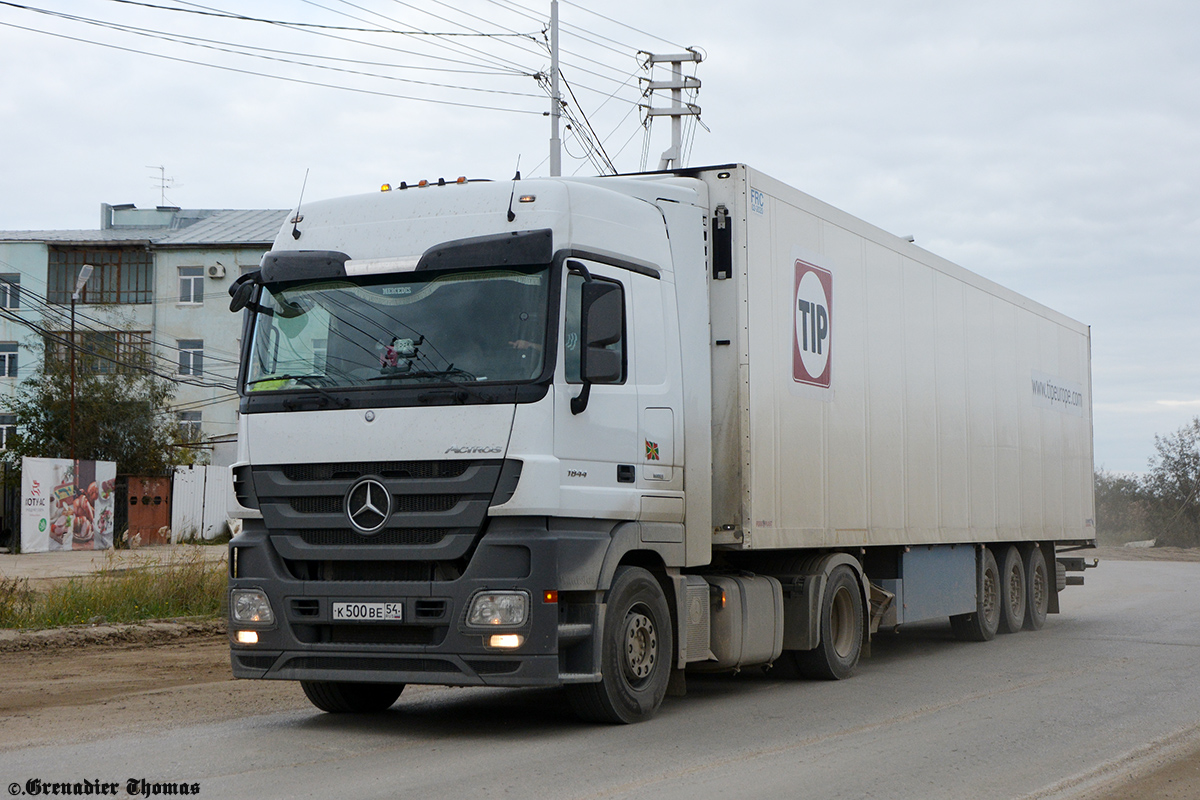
point(163, 182)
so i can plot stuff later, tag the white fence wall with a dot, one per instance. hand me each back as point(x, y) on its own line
point(200, 508)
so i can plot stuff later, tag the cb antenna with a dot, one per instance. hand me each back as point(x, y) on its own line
point(298, 218)
point(512, 214)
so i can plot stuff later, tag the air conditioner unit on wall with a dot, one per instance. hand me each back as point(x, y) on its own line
point(216, 271)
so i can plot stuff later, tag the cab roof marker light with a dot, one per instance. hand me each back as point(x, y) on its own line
point(527, 198)
point(380, 266)
point(422, 184)
point(461, 179)
point(387, 187)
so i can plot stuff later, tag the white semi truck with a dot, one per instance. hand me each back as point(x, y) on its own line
point(597, 433)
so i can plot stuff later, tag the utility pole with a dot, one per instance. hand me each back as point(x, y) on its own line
point(85, 272)
point(673, 155)
point(555, 99)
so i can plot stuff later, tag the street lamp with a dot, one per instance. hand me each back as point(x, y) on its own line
point(85, 272)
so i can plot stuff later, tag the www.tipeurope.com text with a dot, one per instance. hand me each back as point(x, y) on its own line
point(134, 787)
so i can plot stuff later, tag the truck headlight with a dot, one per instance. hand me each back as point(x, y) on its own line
point(251, 606)
point(494, 609)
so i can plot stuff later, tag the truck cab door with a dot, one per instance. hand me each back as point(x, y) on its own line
point(597, 445)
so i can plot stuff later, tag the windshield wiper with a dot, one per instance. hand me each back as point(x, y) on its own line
point(444, 374)
point(441, 377)
point(310, 381)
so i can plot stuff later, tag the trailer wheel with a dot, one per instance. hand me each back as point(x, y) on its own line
point(351, 698)
point(1037, 581)
point(982, 623)
point(636, 652)
point(1013, 592)
point(842, 625)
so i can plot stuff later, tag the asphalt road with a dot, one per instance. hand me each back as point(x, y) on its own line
point(1113, 679)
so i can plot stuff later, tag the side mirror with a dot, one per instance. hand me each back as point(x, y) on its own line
point(242, 292)
point(602, 324)
point(602, 307)
point(241, 296)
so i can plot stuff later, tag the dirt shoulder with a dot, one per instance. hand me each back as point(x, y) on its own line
point(81, 684)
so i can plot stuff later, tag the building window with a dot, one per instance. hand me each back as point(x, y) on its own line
point(122, 275)
point(191, 356)
point(10, 291)
point(108, 352)
point(8, 359)
point(190, 428)
point(8, 426)
point(191, 285)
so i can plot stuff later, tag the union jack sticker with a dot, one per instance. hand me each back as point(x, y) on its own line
point(651, 450)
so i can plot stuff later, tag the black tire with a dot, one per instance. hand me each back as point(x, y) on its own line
point(1038, 588)
point(637, 649)
point(351, 698)
point(1013, 591)
point(982, 623)
point(842, 626)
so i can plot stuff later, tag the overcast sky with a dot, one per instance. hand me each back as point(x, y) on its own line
point(1053, 147)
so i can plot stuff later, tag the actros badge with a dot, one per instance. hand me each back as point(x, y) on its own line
point(812, 309)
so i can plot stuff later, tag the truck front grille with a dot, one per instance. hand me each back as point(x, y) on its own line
point(332, 537)
point(362, 571)
point(349, 471)
point(401, 503)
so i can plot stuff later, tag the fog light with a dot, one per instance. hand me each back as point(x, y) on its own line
point(251, 606)
point(489, 609)
point(506, 641)
point(247, 637)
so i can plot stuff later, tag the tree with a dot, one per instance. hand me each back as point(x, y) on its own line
point(121, 413)
point(1122, 508)
point(1173, 484)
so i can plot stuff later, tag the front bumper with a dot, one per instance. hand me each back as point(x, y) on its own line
point(432, 644)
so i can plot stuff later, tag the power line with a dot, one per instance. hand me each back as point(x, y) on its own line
point(241, 50)
point(622, 24)
point(244, 18)
point(301, 81)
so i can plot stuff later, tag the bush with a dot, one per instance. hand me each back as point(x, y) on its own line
point(184, 585)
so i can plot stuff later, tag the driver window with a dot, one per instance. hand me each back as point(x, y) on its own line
point(572, 344)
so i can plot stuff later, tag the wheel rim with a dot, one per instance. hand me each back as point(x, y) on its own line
point(841, 623)
point(641, 647)
point(991, 597)
point(1016, 593)
point(1040, 595)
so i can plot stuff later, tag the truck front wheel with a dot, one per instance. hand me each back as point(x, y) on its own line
point(636, 653)
point(351, 698)
point(842, 625)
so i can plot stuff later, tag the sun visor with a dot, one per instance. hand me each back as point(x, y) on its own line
point(303, 265)
point(497, 250)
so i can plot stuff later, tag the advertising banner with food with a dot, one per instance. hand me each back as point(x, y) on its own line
point(66, 505)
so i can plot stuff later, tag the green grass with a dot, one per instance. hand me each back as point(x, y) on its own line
point(179, 586)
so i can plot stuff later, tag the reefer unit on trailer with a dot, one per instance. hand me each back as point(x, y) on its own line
point(601, 432)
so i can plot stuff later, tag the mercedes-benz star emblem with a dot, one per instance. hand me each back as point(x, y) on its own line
point(368, 505)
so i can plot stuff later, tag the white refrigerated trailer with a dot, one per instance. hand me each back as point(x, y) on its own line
point(599, 432)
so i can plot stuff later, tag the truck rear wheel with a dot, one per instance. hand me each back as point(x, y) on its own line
point(842, 625)
point(351, 698)
point(1037, 582)
point(636, 652)
point(982, 623)
point(1013, 591)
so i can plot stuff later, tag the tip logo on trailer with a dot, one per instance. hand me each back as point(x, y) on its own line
point(812, 308)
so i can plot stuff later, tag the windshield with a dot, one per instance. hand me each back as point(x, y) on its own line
point(411, 328)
